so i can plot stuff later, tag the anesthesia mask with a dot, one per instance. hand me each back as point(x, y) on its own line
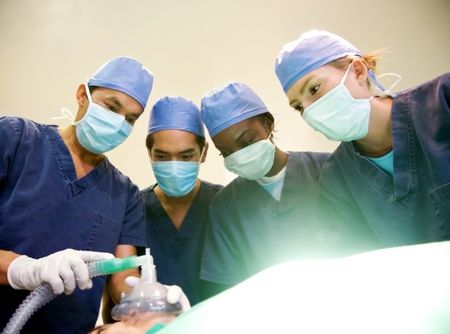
point(148, 296)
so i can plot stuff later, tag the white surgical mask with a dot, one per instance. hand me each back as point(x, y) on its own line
point(252, 162)
point(338, 115)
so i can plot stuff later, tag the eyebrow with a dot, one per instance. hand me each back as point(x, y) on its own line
point(117, 104)
point(302, 91)
point(114, 101)
point(189, 150)
point(235, 140)
point(242, 134)
point(157, 150)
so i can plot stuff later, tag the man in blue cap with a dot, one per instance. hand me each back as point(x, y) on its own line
point(270, 213)
point(176, 207)
point(62, 203)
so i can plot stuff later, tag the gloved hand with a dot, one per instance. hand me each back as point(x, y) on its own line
point(174, 293)
point(63, 270)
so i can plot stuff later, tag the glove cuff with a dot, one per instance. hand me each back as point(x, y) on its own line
point(14, 271)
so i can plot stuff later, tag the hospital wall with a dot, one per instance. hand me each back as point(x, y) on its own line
point(49, 47)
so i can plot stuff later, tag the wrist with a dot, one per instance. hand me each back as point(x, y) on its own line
point(6, 257)
point(14, 271)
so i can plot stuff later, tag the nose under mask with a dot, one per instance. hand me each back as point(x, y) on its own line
point(252, 162)
point(338, 115)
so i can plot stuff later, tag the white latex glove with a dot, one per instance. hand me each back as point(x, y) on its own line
point(174, 293)
point(63, 270)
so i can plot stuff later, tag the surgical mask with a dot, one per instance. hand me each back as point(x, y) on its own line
point(252, 162)
point(338, 115)
point(101, 130)
point(176, 178)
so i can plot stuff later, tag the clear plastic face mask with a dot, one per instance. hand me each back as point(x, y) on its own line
point(148, 296)
point(145, 298)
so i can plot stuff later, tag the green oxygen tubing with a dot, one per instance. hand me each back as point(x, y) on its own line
point(43, 294)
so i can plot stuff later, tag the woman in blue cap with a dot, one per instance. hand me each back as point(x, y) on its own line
point(270, 212)
point(176, 207)
point(392, 169)
point(62, 203)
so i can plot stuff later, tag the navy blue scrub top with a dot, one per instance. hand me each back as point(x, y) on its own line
point(45, 209)
point(177, 253)
point(250, 230)
point(413, 205)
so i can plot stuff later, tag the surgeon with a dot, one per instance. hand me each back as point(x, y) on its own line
point(176, 207)
point(392, 169)
point(63, 204)
point(270, 213)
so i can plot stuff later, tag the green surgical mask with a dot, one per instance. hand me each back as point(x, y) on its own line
point(252, 162)
point(338, 115)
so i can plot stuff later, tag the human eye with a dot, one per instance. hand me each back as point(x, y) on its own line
point(299, 108)
point(159, 157)
point(130, 120)
point(110, 107)
point(314, 88)
point(248, 142)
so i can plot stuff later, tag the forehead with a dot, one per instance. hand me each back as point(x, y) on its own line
point(174, 140)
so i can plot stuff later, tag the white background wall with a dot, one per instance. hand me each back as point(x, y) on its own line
point(48, 47)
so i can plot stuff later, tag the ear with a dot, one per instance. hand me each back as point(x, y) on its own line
point(82, 102)
point(205, 152)
point(81, 95)
point(269, 126)
point(360, 70)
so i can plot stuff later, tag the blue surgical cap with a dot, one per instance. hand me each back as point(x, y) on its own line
point(175, 113)
point(230, 104)
point(310, 51)
point(125, 75)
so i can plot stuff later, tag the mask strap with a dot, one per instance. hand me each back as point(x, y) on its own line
point(379, 86)
point(346, 73)
point(398, 78)
point(88, 93)
point(201, 154)
point(375, 81)
point(65, 114)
